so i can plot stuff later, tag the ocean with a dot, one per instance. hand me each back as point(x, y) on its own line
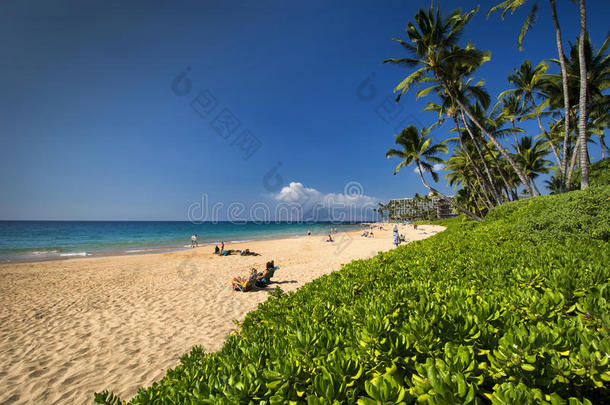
point(47, 240)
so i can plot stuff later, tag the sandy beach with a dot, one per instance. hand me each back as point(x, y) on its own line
point(69, 328)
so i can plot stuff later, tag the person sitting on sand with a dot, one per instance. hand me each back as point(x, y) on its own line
point(330, 238)
point(244, 284)
point(216, 250)
point(264, 278)
point(308, 232)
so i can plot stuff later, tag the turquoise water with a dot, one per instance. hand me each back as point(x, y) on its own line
point(46, 240)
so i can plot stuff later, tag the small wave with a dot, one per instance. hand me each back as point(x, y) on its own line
point(240, 241)
point(43, 252)
point(139, 250)
point(74, 254)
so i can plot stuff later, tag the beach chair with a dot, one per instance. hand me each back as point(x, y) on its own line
point(267, 279)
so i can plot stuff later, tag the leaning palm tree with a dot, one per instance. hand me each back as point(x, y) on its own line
point(433, 45)
point(416, 147)
point(512, 6)
point(532, 159)
point(510, 109)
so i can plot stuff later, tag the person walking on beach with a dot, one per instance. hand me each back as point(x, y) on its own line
point(194, 241)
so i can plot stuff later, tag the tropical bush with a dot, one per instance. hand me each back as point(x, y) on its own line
point(511, 310)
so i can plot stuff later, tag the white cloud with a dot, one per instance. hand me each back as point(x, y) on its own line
point(353, 195)
point(436, 167)
point(351, 205)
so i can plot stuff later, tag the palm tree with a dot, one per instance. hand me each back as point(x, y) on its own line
point(531, 158)
point(528, 83)
point(597, 102)
point(582, 115)
point(511, 109)
point(459, 174)
point(416, 146)
point(433, 43)
point(512, 5)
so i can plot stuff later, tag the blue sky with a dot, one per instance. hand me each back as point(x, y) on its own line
point(91, 128)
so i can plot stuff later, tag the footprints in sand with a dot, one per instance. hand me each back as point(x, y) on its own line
point(70, 328)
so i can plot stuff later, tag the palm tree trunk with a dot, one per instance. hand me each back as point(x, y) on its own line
point(475, 168)
point(451, 200)
point(603, 146)
point(512, 121)
point(582, 124)
point(534, 185)
point(501, 171)
point(492, 187)
point(477, 193)
point(546, 134)
point(493, 140)
point(572, 165)
point(566, 98)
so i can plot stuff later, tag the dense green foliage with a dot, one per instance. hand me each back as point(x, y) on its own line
point(599, 173)
point(511, 310)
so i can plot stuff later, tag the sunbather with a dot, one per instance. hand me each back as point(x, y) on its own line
point(264, 278)
point(247, 252)
point(244, 284)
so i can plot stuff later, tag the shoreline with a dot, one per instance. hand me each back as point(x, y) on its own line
point(150, 249)
point(69, 328)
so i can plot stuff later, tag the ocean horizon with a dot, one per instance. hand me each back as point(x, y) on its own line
point(35, 240)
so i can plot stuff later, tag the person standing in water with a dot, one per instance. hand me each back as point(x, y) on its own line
point(194, 241)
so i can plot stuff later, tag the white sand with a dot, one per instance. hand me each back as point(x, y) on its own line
point(72, 327)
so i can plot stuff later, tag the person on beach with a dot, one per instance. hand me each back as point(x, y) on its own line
point(395, 236)
point(194, 241)
point(216, 250)
point(264, 278)
point(330, 238)
point(222, 247)
point(308, 232)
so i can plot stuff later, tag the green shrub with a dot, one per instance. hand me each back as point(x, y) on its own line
point(512, 310)
point(599, 173)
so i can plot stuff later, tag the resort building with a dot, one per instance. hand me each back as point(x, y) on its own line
point(420, 207)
